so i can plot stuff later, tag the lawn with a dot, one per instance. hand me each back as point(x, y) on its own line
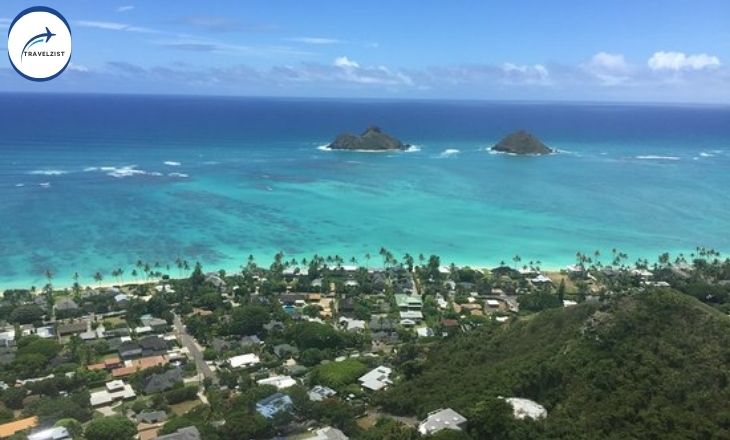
point(339, 374)
point(183, 407)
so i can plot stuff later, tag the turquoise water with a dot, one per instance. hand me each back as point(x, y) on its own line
point(93, 183)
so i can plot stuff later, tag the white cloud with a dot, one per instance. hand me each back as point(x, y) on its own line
point(680, 61)
point(525, 74)
point(611, 69)
point(316, 40)
point(126, 8)
point(609, 61)
point(114, 26)
point(346, 63)
point(351, 71)
point(78, 68)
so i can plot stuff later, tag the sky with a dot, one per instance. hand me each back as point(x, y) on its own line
point(567, 50)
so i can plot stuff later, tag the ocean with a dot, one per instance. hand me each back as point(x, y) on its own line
point(97, 182)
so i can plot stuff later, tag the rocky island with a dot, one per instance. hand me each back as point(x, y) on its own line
point(522, 143)
point(372, 139)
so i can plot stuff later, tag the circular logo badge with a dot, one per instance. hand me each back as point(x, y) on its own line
point(39, 43)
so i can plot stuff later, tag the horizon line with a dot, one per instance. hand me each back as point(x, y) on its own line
point(518, 101)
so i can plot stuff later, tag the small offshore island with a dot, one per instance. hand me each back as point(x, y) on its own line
point(372, 139)
point(522, 143)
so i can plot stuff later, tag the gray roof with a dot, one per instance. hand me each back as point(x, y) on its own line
point(441, 419)
point(151, 416)
point(66, 304)
point(285, 349)
point(320, 392)
point(72, 327)
point(163, 381)
point(329, 433)
point(187, 433)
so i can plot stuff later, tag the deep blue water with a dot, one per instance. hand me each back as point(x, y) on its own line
point(85, 187)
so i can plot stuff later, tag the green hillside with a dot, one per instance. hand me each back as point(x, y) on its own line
point(648, 366)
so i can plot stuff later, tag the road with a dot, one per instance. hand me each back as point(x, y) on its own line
point(188, 341)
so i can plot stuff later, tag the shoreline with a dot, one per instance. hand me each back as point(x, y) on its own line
point(64, 284)
point(555, 265)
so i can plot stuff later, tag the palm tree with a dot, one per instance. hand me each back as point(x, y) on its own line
point(76, 287)
point(367, 259)
point(49, 275)
point(98, 277)
point(408, 261)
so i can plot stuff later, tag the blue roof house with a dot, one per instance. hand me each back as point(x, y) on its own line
point(274, 404)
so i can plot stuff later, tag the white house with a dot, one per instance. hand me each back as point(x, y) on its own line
point(526, 408)
point(376, 379)
point(442, 419)
point(114, 390)
point(244, 360)
point(280, 382)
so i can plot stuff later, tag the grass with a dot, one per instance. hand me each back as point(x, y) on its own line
point(183, 407)
point(339, 374)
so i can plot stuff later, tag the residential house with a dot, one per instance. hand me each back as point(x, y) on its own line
point(320, 392)
point(274, 326)
point(72, 328)
point(113, 391)
point(14, 427)
point(274, 404)
point(352, 325)
point(46, 332)
point(55, 433)
point(326, 433)
point(280, 382)
point(412, 315)
point(187, 433)
point(376, 379)
point(150, 417)
point(244, 360)
point(157, 325)
point(346, 305)
point(250, 341)
point(109, 363)
point(159, 382)
point(135, 365)
point(153, 346)
point(130, 350)
point(526, 408)
point(408, 302)
point(66, 305)
point(216, 280)
point(442, 419)
point(285, 350)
